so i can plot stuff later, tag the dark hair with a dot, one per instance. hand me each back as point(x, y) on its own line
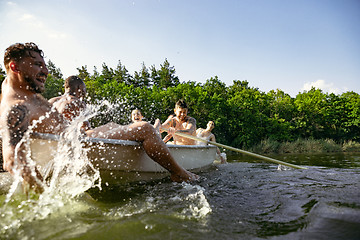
point(73, 81)
point(18, 50)
point(181, 103)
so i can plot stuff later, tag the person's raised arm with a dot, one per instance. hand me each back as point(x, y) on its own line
point(17, 122)
point(167, 124)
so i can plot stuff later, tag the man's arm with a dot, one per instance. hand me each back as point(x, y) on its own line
point(212, 138)
point(167, 124)
point(167, 138)
point(14, 154)
point(54, 99)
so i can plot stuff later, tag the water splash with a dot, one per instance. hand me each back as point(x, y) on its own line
point(181, 201)
point(67, 176)
point(198, 206)
point(283, 168)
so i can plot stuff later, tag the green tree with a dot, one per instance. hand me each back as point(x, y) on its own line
point(107, 73)
point(142, 78)
point(53, 70)
point(282, 112)
point(216, 108)
point(54, 83)
point(247, 118)
point(122, 75)
point(351, 123)
point(164, 77)
point(310, 106)
point(83, 73)
point(215, 86)
point(333, 115)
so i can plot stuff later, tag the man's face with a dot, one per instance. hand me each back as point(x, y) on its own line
point(34, 71)
point(181, 113)
point(136, 116)
point(211, 125)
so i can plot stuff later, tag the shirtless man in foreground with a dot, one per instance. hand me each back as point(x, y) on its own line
point(23, 109)
point(181, 123)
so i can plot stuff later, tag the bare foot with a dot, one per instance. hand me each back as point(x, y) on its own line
point(185, 176)
point(157, 125)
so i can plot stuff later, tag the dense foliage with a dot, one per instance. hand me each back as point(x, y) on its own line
point(243, 115)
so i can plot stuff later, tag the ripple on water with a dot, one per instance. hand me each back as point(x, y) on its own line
point(239, 200)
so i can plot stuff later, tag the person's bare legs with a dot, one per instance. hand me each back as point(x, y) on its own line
point(153, 145)
point(103, 130)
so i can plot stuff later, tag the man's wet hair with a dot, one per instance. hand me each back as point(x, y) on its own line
point(73, 81)
point(181, 104)
point(19, 50)
point(136, 109)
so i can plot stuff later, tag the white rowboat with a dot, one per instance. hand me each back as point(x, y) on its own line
point(122, 160)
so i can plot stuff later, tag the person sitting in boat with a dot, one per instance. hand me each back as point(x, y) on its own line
point(71, 103)
point(24, 110)
point(136, 116)
point(207, 135)
point(181, 123)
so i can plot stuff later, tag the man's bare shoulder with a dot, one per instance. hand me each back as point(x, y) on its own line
point(16, 118)
point(10, 103)
point(66, 102)
point(190, 120)
point(63, 99)
point(199, 130)
point(54, 99)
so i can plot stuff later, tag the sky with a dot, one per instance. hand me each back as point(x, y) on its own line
point(289, 45)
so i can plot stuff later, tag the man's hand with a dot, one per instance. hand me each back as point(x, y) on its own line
point(171, 131)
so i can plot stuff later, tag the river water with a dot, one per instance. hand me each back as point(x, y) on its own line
point(244, 199)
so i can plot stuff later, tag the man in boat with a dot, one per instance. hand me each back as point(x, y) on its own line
point(23, 110)
point(71, 103)
point(207, 135)
point(181, 123)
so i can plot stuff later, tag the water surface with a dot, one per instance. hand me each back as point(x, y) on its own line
point(244, 199)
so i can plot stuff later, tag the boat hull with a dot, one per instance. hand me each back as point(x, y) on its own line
point(123, 160)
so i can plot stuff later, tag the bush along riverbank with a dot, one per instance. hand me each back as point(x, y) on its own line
point(269, 146)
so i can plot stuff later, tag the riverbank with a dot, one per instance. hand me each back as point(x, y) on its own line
point(305, 146)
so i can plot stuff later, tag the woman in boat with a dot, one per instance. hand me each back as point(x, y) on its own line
point(136, 116)
point(209, 136)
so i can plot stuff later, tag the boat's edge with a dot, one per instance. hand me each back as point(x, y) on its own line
point(53, 137)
